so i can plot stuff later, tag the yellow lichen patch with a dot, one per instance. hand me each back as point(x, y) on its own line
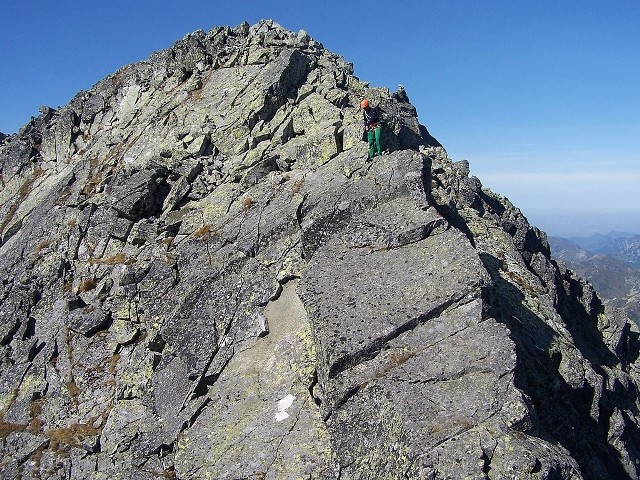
point(328, 150)
point(292, 266)
point(183, 442)
point(306, 338)
point(217, 204)
point(7, 400)
point(23, 192)
point(29, 384)
point(135, 381)
point(124, 313)
point(240, 132)
point(304, 365)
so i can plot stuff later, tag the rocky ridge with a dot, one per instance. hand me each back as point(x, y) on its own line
point(617, 283)
point(204, 278)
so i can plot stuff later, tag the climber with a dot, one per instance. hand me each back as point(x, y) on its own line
point(372, 127)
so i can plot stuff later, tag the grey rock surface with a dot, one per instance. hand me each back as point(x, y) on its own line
point(203, 277)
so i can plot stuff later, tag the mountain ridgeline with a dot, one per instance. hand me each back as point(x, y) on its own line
point(610, 263)
point(204, 278)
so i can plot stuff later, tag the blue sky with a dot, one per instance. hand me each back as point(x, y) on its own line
point(542, 98)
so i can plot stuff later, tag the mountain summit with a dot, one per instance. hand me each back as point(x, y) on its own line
point(204, 277)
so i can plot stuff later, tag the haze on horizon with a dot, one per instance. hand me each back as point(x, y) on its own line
point(540, 98)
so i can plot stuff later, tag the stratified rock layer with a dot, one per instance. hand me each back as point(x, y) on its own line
point(203, 277)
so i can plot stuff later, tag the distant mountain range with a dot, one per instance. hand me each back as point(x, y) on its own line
point(610, 262)
point(621, 245)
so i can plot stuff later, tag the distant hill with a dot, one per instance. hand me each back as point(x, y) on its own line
point(568, 251)
point(621, 245)
point(614, 276)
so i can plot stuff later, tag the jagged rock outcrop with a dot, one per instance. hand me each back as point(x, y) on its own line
point(203, 277)
point(612, 274)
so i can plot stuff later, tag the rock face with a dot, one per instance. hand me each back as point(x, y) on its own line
point(203, 277)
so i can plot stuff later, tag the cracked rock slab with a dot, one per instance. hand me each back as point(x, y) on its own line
point(383, 293)
point(261, 410)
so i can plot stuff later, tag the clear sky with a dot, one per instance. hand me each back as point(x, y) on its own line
point(542, 97)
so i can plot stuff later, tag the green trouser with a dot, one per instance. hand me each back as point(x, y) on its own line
point(373, 137)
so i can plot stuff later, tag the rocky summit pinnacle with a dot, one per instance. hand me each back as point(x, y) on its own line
point(204, 278)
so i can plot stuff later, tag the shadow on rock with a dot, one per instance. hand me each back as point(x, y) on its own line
point(577, 416)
